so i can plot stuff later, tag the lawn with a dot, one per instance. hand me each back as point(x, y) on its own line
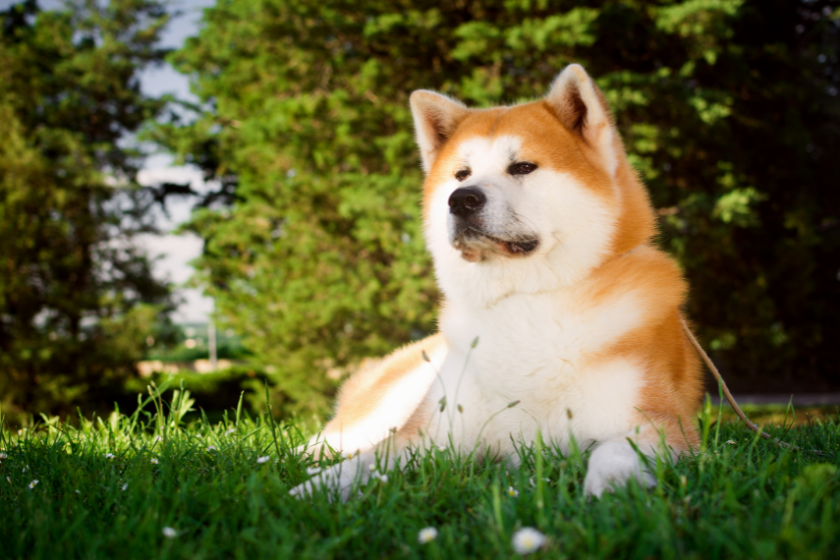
point(152, 485)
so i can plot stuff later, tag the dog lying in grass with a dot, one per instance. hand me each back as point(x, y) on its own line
point(560, 316)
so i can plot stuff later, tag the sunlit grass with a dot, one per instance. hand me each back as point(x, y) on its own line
point(150, 485)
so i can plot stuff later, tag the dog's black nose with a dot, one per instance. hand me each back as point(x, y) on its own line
point(466, 200)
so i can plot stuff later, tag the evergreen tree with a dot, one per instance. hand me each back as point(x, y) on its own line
point(77, 298)
point(729, 109)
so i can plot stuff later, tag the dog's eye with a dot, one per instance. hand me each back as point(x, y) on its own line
point(521, 168)
point(462, 174)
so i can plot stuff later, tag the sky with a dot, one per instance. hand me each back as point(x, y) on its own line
point(173, 253)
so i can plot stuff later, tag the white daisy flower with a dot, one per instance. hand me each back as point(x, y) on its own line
point(24, 468)
point(527, 540)
point(169, 532)
point(33, 484)
point(383, 478)
point(427, 535)
point(3, 456)
point(513, 492)
point(731, 442)
point(261, 460)
point(154, 461)
point(109, 455)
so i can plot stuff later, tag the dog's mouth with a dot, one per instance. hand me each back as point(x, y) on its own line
point(475, 245)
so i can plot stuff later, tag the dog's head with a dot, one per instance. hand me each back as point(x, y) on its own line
point(526, 198)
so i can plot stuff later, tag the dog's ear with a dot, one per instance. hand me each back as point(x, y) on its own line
point(580, 106)
point(435, 119)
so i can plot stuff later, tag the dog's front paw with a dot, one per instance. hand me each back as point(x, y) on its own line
point(613, 464)
point(302, 491)
point(339, 479)
point(324, 482)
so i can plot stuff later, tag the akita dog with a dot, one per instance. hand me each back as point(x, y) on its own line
point(559, 313)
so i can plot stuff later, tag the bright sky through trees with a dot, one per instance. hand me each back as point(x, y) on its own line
point(174, 252)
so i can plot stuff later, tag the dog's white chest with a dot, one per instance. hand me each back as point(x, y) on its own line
point(541, 336)
point(537, 349)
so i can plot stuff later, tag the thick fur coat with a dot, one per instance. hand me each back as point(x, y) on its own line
point(555, 298)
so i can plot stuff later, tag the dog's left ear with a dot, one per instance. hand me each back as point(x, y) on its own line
point(435, 119)
point(579, 105)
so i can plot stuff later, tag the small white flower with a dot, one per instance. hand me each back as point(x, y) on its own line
point(441, 448)
point(124, 486)
point(154, 461)
point(24, 468)
point(513, 492)
point(527, 540)
point(427, 535)
point(3, 456)
point(77, 492)
point(211, 448)
point(383, 478)
point(372, 467)
point(312, 470)
point(262, 460)
point(169, 532)
point(109, 455)
point(33, 484)
point(731, 442)
point(198, 435)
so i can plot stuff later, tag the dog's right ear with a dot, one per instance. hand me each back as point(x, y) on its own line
point(579, 105)
point(435, 119)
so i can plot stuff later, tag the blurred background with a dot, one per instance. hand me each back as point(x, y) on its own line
point(228, 191)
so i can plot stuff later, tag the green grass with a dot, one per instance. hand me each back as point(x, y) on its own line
point(746, 499)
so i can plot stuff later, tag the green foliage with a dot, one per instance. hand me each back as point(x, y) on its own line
point(729, 109)
point(110, 486)
point(220, 390)
point(77, 299)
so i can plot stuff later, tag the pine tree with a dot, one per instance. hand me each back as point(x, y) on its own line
point(77, 297)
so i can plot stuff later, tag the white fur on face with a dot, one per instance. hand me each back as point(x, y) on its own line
point(574, 226)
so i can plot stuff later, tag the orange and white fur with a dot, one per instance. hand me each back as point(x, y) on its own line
point(541, 237)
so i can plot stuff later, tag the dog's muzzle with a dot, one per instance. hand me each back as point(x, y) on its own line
point(471, 236)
